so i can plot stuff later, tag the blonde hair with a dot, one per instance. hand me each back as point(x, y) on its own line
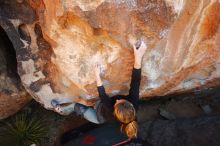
point(126, 114)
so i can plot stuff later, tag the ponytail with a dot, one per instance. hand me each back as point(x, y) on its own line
point(126, 114)
point(130, 129)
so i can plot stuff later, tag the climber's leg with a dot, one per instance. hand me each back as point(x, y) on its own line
point(87, 112)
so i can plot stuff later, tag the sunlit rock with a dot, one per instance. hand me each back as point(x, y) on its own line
point(58, 42)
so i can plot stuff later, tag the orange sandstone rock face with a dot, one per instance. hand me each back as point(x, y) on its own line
point(67, 37)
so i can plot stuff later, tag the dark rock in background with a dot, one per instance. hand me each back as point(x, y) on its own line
point(12, 94)
point(203, 131)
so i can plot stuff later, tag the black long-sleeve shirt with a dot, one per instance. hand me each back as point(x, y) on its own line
point(133, 96)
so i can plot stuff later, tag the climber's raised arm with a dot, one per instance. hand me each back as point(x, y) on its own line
point(97, 74)
point(136, 73)
point(101, 89)
point(138, 54)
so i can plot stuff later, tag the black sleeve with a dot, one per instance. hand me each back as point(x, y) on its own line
point(134, 86)
point(102, 94)
point(104, 109)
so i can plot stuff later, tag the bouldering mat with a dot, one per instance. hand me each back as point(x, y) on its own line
point(94, 135)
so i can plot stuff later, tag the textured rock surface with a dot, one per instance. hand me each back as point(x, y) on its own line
point(57, 43)
point(12, 94)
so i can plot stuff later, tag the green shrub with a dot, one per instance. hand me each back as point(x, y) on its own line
point(23, 130)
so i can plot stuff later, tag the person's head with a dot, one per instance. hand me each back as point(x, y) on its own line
point(125, 112)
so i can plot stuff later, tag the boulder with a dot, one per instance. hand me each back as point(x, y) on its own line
point(58, 42)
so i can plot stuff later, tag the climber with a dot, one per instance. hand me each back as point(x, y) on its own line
point(120, 107)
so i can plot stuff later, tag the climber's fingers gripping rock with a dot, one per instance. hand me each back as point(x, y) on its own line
point(97, 69)
point(139, 50)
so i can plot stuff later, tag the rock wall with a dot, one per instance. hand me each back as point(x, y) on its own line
point(12, 94)
point(57, 43)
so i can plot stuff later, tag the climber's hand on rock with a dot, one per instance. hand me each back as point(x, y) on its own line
point(139, 51)
point(97, 70)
